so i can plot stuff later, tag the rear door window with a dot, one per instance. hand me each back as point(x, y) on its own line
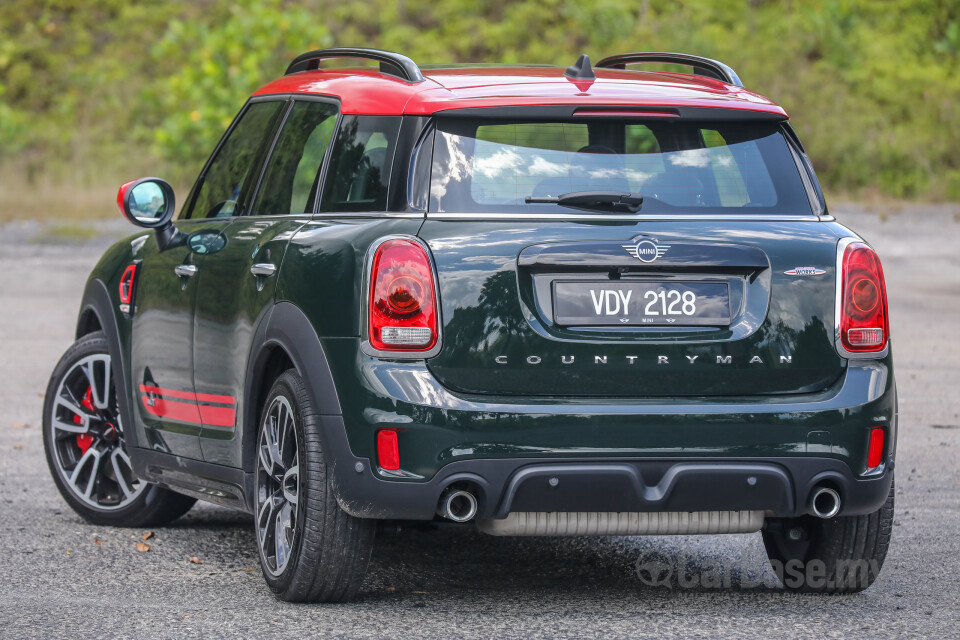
point(358, 176)
point(292, 176)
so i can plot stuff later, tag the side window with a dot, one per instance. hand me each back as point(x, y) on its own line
point(359, 170)
point(293, 171)
point(230, 170)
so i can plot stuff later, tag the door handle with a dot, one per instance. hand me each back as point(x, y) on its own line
point(185, 270)
point(263, 269)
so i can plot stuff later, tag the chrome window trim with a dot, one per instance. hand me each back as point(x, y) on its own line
point(842, 245)
point(329, 215)
point(277, 216)
point(588, 217)
point(326, 215)
point(534, 216)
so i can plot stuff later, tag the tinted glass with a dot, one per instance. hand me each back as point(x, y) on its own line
point(359, 171)
point(676, 166)
point(290, 181)
point(230, 170)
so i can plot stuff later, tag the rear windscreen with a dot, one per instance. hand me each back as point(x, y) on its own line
point(678, 166)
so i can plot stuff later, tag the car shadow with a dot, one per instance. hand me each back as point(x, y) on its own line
point(421, 561)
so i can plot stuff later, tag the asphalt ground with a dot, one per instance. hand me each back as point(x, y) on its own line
point(60, 577)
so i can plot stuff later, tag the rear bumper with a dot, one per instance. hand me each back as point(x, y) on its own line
point(780, 487)
point(617, 455)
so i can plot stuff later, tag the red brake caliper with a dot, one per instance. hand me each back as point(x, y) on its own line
point(85, 440)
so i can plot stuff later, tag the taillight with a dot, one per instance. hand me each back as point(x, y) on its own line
point(403, 305)
point(863, 321)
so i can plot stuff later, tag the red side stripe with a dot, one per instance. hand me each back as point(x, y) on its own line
point(183, 406)
point(209, 397)
point(172, 410)
point(217, 416)
point(186, 395)
point(167, 393)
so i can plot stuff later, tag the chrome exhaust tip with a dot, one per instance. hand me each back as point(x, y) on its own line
point(824, 502)
point(458, 505)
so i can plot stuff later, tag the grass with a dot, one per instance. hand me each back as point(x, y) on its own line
point(69, 232)
point(66, 198)
point(47, 200)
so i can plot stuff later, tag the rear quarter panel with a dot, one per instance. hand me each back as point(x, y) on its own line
point(323, 269)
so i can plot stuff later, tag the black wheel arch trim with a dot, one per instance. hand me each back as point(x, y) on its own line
point(96, 303)
point(285, 326)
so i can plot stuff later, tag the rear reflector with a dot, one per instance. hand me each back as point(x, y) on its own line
point(388, 451)
point(875, 451)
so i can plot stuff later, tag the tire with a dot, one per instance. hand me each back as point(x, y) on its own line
point(835, 555)
point(83, 437)
point(310, 549)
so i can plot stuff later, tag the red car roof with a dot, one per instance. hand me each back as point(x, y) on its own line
point(367, 91)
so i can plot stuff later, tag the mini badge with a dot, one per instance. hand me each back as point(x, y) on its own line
point(646, 249)
point(805, 271)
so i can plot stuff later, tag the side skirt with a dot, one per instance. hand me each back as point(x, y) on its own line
point(214, 483)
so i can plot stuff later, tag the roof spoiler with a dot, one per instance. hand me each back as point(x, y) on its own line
point(392, 64)
point(701, 66)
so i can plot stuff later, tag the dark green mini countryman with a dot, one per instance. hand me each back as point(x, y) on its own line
point(538, 301)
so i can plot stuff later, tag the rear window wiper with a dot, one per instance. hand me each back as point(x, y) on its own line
point(592, 200)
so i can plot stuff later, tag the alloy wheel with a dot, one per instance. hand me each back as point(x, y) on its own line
point(87, 437)
point(278, 485)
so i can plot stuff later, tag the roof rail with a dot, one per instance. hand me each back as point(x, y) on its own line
point(391, 63)
point(701, 66)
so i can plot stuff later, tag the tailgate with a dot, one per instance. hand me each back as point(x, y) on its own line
point(558, 308)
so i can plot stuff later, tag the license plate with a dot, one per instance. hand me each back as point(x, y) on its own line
point(613, 302)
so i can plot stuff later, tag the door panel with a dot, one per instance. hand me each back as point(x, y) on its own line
point(166, 411)
point(229, 302)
